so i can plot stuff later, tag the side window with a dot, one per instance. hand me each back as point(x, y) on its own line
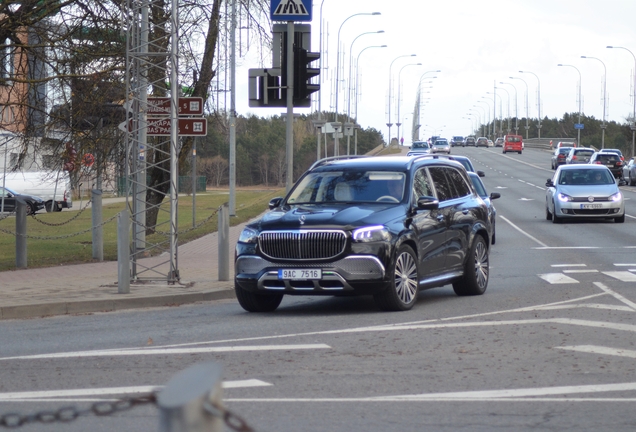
point(421, 185)
point(458, 184)
point(441, 184)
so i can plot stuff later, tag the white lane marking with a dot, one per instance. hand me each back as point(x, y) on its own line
point(629, 216)
point(526, 199)
point(523, 232)
point(580, 271)
point(557, 278)
point(168, 351)
point(568, 265)
point(110, 391)
point(625, 265)
point(591, 306)
point(623, 276)
point(523, 394)
point(616, 295)
point(592, 349)
point(567, 247)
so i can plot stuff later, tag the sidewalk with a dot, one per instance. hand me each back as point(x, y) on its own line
point(85, 288)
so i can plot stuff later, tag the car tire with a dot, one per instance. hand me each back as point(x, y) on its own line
point(56, 207)
point(503, 151)
point(548, 215)
point(475, 279)
point(631, 182)
point(620, 219)
point(30, 209)
point(520, 152)
point(494, 236)
point(255, 302)
point(555, 218)
point(402, 292)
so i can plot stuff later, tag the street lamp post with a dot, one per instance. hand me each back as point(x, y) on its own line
point(578, 131)
point(508, 100)
point(389, 124)
point(398, 123)
point(603, 126)
point(355, 100)
point(516, 107)
point(337, 145)
point(349, 84)
point(495, 96)
point(538, 99)
point(633, 127)
point(527, 110)
point(482, 120)
point(487, 109)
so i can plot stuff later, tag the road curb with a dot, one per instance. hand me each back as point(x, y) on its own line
point(110, 305)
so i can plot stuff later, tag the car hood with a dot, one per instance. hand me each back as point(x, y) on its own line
point(345, 215)
point(588, 190)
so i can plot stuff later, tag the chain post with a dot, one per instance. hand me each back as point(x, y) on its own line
point(20, 237)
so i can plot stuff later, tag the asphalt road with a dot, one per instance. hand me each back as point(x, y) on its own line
point(550, 346)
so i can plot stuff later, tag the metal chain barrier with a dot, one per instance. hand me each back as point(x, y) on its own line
point(79, 212)
point(68, 414)
point(200, 224)
point(61, 236)
point(7, 215)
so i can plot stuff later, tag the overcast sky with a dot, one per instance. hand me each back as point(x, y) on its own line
point(475, 44)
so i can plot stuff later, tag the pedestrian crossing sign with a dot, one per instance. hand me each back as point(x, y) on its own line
point(291, 10)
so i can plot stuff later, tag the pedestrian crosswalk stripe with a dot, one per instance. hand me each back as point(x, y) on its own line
point(580, 271)
point(624, 276)
point(557, 278)
point(291, 7)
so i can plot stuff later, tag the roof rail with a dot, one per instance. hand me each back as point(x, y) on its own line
point(323, 161)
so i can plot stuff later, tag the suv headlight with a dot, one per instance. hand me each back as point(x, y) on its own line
point(371, 234)
point(616, 197)
point(565, 198)
point(248, 235)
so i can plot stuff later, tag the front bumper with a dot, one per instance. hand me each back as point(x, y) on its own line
point(360, 274)
point(575, 210)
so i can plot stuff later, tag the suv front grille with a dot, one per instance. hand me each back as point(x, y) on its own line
point(301, 244)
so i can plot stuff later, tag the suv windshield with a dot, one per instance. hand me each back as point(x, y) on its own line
point(349, 187)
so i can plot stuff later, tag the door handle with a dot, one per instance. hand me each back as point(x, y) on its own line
point(440, 217)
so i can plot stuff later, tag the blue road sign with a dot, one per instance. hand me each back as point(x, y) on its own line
point(578, 125)
point(291, 10)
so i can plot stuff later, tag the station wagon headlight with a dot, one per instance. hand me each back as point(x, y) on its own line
point(371, 234)
point(248, 235)
point(616, 197)
point(565, 198)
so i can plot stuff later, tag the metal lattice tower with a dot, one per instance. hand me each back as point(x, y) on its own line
point(151, 66)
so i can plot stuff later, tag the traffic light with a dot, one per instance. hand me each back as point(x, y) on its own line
point(303, 73)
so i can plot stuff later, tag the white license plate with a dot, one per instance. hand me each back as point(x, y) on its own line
point(591, 206)
point(302, 274)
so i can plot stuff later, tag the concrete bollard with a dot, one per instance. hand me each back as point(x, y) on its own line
point(187, 402)
point(20, 234)
point(98, 232)
point(224, 242)
point(123, 252)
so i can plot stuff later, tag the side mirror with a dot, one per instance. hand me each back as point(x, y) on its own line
point(427, 203)
point(495, 195)
point(549, 183)
point(275, 202)
point(481, 174)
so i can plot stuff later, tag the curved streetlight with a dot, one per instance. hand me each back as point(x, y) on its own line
point(527, 110)
point(398, 124)
point(495, 96)
point(348, 124)
point(603, 126)
point(389, 124)
point(634, 113)
point(578, 131)
point(486, 101)
point(538, 98)
point(516, 106)
point(355, 132)
point(337, 145)
point(482, 120)
point(507, 93)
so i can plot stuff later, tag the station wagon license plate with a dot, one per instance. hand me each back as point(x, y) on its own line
point(591, 206)
point(302, 274)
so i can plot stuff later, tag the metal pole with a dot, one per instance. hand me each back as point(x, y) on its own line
point(20, 234)
point(173, 276)
point(194, 183)
point(603, 126)
point(290, 106)
point(527, 110)
point(232, 162)
point(578, 131)
point(224, 243)
point(633, 126)
point(123, 252)
point(96, 216)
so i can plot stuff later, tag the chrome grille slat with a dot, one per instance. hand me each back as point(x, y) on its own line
point(302, 244)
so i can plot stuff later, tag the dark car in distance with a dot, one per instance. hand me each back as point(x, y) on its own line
point(481, 142)
point(457, 141)
point(469, 141)
point(611, 160)
point(9, 197)
point(380, 226)
point(559, 156)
